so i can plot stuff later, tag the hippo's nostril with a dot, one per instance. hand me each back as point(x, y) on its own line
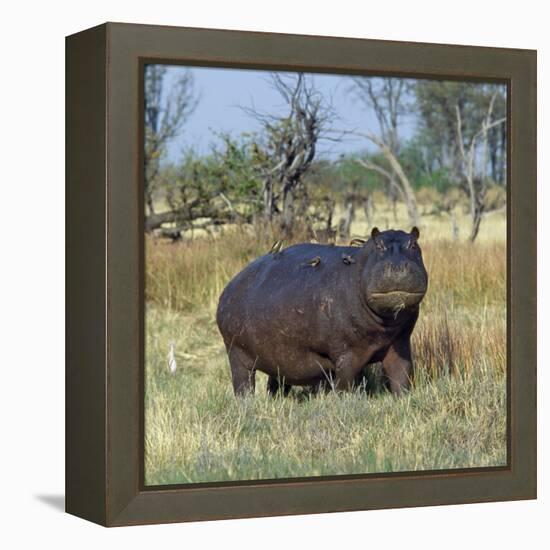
point(401, 267)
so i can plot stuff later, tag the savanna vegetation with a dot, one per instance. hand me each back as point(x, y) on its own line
point(454, 417)
point(209, 215)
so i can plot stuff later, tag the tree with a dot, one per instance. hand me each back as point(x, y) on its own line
point(388, 98)
point(164, 117)
point(397, 178)
point(209, 190)
point(464, 137)
point(436, 104)
point(288, 143)
point(474, 180)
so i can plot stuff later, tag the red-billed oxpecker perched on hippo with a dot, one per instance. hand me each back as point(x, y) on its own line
point(311, 313)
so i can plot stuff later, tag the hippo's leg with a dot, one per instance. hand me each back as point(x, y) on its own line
point(347, 370)
point(243, 372)
point(276, 385)
point(398, 366)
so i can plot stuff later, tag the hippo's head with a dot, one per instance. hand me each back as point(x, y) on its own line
point(394, 277)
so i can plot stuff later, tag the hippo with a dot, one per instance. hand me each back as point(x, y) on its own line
point(313, 313)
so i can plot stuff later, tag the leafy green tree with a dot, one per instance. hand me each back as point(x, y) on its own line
point(220, 187)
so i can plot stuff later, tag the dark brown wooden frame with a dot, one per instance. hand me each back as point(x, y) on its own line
point(104, 366)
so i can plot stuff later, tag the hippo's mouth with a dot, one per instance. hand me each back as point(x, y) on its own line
point(392, 302)
point(396, 294)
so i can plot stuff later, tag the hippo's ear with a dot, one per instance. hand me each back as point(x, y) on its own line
point(375, 232)
point(415, 232)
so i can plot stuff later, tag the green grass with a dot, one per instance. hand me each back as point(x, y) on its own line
point(454, 416)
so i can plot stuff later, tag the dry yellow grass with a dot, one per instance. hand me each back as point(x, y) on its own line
point(455, 416)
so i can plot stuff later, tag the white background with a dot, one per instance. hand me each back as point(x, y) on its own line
point(32, 273)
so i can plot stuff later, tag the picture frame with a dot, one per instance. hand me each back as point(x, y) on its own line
point(105, 274)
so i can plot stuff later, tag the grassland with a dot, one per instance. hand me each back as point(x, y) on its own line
point(455, 416)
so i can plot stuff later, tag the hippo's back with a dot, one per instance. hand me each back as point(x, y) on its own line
point(274, 286)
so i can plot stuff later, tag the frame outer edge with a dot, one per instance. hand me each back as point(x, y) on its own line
point(127, 503)
point(523, 273)
point(85, 382)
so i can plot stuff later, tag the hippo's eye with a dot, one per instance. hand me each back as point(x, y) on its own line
point(412, 245)
point(380, 245)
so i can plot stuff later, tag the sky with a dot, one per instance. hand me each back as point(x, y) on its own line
point(223, 92)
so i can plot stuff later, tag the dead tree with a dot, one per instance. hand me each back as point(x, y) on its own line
point(396, 176)
point(184, 217)
point(288, 144)
point(164, 117)
point(473, 180)
point(387, 98)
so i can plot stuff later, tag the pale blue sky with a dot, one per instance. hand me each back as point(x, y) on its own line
point(222, 91)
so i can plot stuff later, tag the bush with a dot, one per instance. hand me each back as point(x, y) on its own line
point(428, 196)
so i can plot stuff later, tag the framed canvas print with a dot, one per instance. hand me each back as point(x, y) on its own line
point(301, 274)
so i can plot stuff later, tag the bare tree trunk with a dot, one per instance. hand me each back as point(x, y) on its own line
point(149, 202)
point(287, 221)
point(268, 200)
point(477, 214)
point(410, 199)
point(346, 221)
point(330, 214)
point(397, 177)
point(187, 214)
point(367, 206)
point(476, 192)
